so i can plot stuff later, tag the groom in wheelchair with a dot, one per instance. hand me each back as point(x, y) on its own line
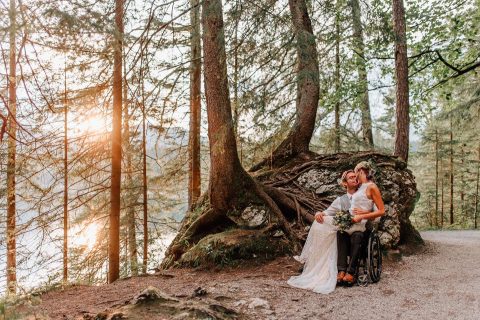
point(359, 255)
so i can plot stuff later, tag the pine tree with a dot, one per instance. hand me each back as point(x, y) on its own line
point(401, 74)
point(12, 151)
point(114, 235)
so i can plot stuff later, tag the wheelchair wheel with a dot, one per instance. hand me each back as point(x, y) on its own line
point(374, 258)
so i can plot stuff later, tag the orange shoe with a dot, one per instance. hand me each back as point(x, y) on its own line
point(349, 279)
point(340, 276)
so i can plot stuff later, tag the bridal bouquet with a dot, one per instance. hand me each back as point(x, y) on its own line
point(343, 220)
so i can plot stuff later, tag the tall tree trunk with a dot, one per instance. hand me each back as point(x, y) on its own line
point(451, 171)
point(436, 178)
point(225, 164)
point(428, 215)
point(475, 213)
point(195, 105)
point(229, 182)
point(308, 87)
point(114, 232)
point(11, 163)
point(131, 236)
point(235, 70)
point(462, 182)
point(144, 181)
point(475, 216)
point(308, 91)
point(401, 73)
point(442, 197)
point(236, 105)
point(359, 48)
point(65, 181)
point(337, 78)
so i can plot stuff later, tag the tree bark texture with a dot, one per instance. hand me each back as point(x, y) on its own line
point(442, 216)
point(195, 105)
point(130, 198)
point(337, 141)
point(65, 182)
point(116, 177)
point(359, 48)
point(225, 166)
point(475, 215)
point(462, 181)
point(436, 177)
point(451, 171)
point(11, 162)
point(308, 90)
point(236, 71)
point(401, 75)
point(144, 183)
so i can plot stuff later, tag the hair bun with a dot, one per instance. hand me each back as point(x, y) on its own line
point(363, 165)
point(368, 167)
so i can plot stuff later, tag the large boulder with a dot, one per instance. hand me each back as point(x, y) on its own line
point(317, 179)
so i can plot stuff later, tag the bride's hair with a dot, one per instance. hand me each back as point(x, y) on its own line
point(365, 167)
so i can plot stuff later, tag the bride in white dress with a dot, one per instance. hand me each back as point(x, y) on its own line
point(319, 254)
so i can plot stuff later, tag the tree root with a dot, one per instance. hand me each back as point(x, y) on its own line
point(284, 225)
point(289, 202)
point(211, 222)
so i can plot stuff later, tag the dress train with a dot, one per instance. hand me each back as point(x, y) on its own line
point(319, 256)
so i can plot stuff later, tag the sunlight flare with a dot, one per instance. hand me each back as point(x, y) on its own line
point(92, 124)
point(85, 236)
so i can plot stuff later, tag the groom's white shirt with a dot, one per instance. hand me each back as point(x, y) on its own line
point(336, 206)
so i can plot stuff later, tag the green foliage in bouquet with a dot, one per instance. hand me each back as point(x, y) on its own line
point(343, 220)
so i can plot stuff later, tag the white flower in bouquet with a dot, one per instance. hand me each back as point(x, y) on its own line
point(343, 220)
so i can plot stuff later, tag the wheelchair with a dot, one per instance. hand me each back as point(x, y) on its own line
point(369, 268)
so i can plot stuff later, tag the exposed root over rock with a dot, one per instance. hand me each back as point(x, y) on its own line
point(269, 217)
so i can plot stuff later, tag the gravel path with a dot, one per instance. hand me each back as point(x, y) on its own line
point(443, 282)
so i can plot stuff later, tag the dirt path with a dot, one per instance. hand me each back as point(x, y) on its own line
point(441, 283)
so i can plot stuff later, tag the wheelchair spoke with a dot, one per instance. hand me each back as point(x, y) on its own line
point(374, 260)
point(362, 280)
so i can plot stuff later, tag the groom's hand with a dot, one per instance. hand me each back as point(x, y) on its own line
point(357, 211)
point(319, 217)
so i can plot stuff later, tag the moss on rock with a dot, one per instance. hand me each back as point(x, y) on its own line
point(233, 246)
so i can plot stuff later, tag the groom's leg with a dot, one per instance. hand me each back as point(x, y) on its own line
point(356, 240)
point(343, 244)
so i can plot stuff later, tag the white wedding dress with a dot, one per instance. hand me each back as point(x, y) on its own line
point(320, 257)
point(319, 254)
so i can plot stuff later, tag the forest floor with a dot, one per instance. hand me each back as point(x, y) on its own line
point(440, 282)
